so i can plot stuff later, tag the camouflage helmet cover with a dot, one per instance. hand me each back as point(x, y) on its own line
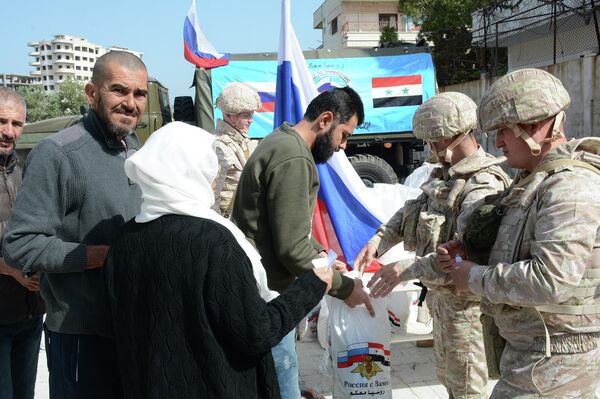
point(237, 98)
point(445, 115)
point(524, 96)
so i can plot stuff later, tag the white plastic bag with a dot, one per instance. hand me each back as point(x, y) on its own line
point(360, 349)
point(307, 328)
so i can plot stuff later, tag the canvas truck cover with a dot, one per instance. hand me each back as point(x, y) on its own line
point(391, 85)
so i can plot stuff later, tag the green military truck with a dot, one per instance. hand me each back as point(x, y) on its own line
point(156, 115)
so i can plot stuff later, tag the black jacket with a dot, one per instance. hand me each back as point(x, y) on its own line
point(17, 303)
point(188, 318)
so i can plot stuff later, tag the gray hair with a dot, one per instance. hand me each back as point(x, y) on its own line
point(10, 96)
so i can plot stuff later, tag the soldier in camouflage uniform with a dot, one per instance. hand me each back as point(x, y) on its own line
point(238, 104)
point(466, 174)
point(542, 287)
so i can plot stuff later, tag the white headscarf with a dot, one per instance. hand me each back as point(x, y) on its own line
point(175, 169)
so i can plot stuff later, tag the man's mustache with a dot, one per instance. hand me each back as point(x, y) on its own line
point(10, 140)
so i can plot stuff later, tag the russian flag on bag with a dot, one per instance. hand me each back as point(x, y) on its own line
point(196, 47)
point(345, 217)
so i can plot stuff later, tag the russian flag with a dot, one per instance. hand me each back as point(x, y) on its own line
point(357, 353)
point(346, 216)
point(196, 47)
point(266, 92)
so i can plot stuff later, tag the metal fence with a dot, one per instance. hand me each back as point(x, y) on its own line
point(536, 32)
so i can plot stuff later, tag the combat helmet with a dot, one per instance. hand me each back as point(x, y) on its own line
point(524, 96)
point(237, 98)
point(444, 116)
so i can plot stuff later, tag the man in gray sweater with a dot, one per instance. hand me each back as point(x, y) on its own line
point(74, 199)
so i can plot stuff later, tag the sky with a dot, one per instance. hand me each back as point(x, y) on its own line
point(153, 27)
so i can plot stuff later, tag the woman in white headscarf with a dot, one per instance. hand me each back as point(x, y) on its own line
point(188, 293)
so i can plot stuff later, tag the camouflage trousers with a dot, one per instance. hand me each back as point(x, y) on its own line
point(458, 345)
point(526, 374)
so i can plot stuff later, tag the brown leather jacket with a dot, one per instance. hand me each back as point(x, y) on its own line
point(17, 304)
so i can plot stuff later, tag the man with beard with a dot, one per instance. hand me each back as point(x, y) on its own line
point(21, 307)
point(275, 202)
point(238, 103)
point(73, 202)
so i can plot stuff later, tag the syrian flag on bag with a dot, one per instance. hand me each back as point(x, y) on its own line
point(397, 91)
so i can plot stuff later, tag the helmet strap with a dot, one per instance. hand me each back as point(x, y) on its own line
point(446, 153)
point(520, 132)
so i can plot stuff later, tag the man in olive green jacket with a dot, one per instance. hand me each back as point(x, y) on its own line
point(276, 198)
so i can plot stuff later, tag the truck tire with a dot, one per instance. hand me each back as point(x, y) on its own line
point(183, 109)
point(372, 169)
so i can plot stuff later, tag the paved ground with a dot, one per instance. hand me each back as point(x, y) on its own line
point(413, 374)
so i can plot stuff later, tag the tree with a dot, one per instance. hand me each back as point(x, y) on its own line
point(70, 97)
point(39, 104)
point(389, 34)
point(447, 23)
point(66, 101)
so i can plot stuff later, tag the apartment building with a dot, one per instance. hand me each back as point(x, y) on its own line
point(358, 24)
point(14, 80)
point(65, 57)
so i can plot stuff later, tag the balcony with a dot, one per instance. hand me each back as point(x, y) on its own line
point(371, 27)
point(34, 63)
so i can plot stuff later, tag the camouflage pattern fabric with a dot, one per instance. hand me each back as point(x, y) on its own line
point(527, 374)
point(233, 150)
point(445, 115)
point(547, 253)
point(450, 195)
point(523, 96)
point(460, 363)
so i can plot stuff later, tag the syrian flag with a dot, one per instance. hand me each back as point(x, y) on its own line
point(397, 91)
point(196, 47)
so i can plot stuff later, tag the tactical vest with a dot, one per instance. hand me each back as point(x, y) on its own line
point(510, 247)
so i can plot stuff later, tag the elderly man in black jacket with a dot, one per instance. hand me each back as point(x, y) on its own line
point(21, 307)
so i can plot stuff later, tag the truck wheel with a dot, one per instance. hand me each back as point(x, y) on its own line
point(372, 169)
point(183, 109)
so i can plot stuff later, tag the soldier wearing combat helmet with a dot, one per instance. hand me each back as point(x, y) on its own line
point(238, 103)
point(542, 281)
point(465, 175)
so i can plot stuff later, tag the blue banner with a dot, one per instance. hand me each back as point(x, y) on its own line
point(391, 87)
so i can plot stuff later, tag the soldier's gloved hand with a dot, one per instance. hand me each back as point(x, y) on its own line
point(460, 275)
point(385, 279)
point(446, 255)
point(365, 257)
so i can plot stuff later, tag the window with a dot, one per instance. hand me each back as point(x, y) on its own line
point(43, 67)
point(68, 66)
point(46, 88)
point(84, 58)
point(37, 59)
point(78, 68)
point(84, 49)
point(49, 66)
point(44, 78)
point(36, 49)
point(85, 68)
point(386, 20)
point(58, 46)
point(67, 47)
point(334, 27)
point(60, 67)
point(68, 57)
point(91, 60)
point(60, 77)
point(38, 68)
point(59, 57)
point(44, 57)
point(51, 77)
point(49, 58)
point(51, 87)
point(91, 50)
point(77, 48)
point(77, 58)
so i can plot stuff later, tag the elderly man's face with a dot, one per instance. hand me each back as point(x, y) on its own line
point(120, 98)
point(12, 121)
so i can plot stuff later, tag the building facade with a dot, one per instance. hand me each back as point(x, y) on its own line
point(358, 24)
point(66, 57)
point(14, 80)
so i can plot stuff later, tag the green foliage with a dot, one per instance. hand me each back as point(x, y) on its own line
point(447, 24)
point(389, 34)
point(42, 106)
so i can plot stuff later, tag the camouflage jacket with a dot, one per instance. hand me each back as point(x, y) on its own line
point(545, 269)
point(440, 214)
point(233, 150)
